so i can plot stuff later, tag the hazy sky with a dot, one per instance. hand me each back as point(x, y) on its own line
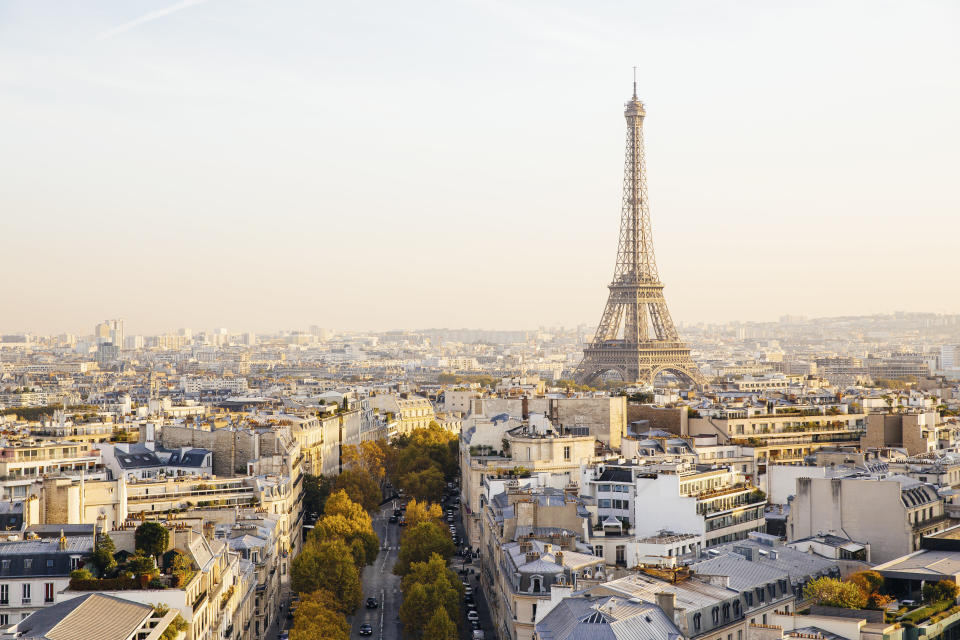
point(267, 164)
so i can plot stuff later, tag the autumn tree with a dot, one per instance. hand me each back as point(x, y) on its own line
point(317, 618)
point(942, 590)
point(330, 565)
point(430, 587)
point(360, 487)
point(424, 485)
point(441, 626)
point(869, 581)
point(832, 592)
point(369, 456)
point(419, 511)
point(419, 543)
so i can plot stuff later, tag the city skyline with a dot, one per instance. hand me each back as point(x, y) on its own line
point(174, 167)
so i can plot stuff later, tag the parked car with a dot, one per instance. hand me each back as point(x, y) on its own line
point(473, 615)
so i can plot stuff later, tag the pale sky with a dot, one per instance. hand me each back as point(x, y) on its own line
point(260, 165)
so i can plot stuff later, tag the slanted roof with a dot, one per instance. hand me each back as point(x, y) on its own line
point(92, 615)
point(606, 618)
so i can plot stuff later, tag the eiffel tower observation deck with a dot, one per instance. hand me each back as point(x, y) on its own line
point(636, 338)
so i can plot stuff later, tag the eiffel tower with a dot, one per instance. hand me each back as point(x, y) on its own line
point(636, 337)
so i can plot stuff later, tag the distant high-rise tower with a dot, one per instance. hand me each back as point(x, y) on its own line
point(636, 337)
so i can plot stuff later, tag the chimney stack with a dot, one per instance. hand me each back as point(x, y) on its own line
point(666, 600)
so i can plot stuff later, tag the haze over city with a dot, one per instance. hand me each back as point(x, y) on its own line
point(380, 165)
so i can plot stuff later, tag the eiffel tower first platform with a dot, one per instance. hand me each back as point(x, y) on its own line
point(636, 337)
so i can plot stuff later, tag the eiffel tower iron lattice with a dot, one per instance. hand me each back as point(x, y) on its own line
point(636, 337)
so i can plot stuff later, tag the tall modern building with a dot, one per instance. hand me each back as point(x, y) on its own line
point(636, 337)
point(110, 331)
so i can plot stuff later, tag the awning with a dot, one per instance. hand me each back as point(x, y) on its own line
point(852, 547)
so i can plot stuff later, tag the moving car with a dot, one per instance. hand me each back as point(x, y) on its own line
point(366, 630)
point(393, 519)
point(372, 603)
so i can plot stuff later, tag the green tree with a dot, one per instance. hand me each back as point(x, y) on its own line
point(831, 592)
point(317, 618)
point(177, 626)
point(315, 492)
point(139, 564)
point(102, 556)
point(328, 565)
point(152, 538)
point(419, 543)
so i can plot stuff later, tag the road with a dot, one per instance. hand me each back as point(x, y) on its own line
point(379, 582)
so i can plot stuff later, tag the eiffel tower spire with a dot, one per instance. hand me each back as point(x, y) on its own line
point(636, 337)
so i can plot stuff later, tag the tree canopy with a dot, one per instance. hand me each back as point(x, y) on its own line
point(419, 511)
point(360, 487)
point(421, 541)
point(329, 565)
point(318, 618)
point(832, 592)
point(151, 538)
point(431, 600)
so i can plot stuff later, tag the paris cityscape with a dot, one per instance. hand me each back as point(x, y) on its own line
point(230, 236)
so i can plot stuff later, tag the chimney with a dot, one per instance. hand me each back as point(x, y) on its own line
point(666, 601)
point(532, 556)
point(525, 407)
point(558, 557)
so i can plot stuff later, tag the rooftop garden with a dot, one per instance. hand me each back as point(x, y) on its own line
point(120, 571)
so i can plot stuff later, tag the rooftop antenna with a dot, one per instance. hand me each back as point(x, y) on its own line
point(634, 83)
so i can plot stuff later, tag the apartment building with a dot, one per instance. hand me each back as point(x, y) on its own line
point(505, 447)
point(715, 503)
point(409, 411)
point(784, 437)
point(892, 513)
point(23, 465)
point(918, 432)
point(208, 601)
point(34, 570)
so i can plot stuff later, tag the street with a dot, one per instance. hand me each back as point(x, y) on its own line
point(379, 582)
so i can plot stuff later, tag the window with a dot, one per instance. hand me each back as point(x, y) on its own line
point(715, 615)
point(736, 608)
point(4, 619)
point(74, 563)
point(566, 453)
point(27, 564)
point(760, 594)
point(726, 613)
point(4, 594)
point(603, 487)
point(597, 551)
point(48, 592)
point(621, 554)
point(696, 622)
point(603, 503)
point(533, 616)
point(26, 593)
point(536, 585)
point(50, 563)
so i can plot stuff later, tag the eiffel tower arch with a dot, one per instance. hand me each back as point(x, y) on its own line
point(636, 337)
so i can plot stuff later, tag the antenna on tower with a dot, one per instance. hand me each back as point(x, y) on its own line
point(634, 83)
